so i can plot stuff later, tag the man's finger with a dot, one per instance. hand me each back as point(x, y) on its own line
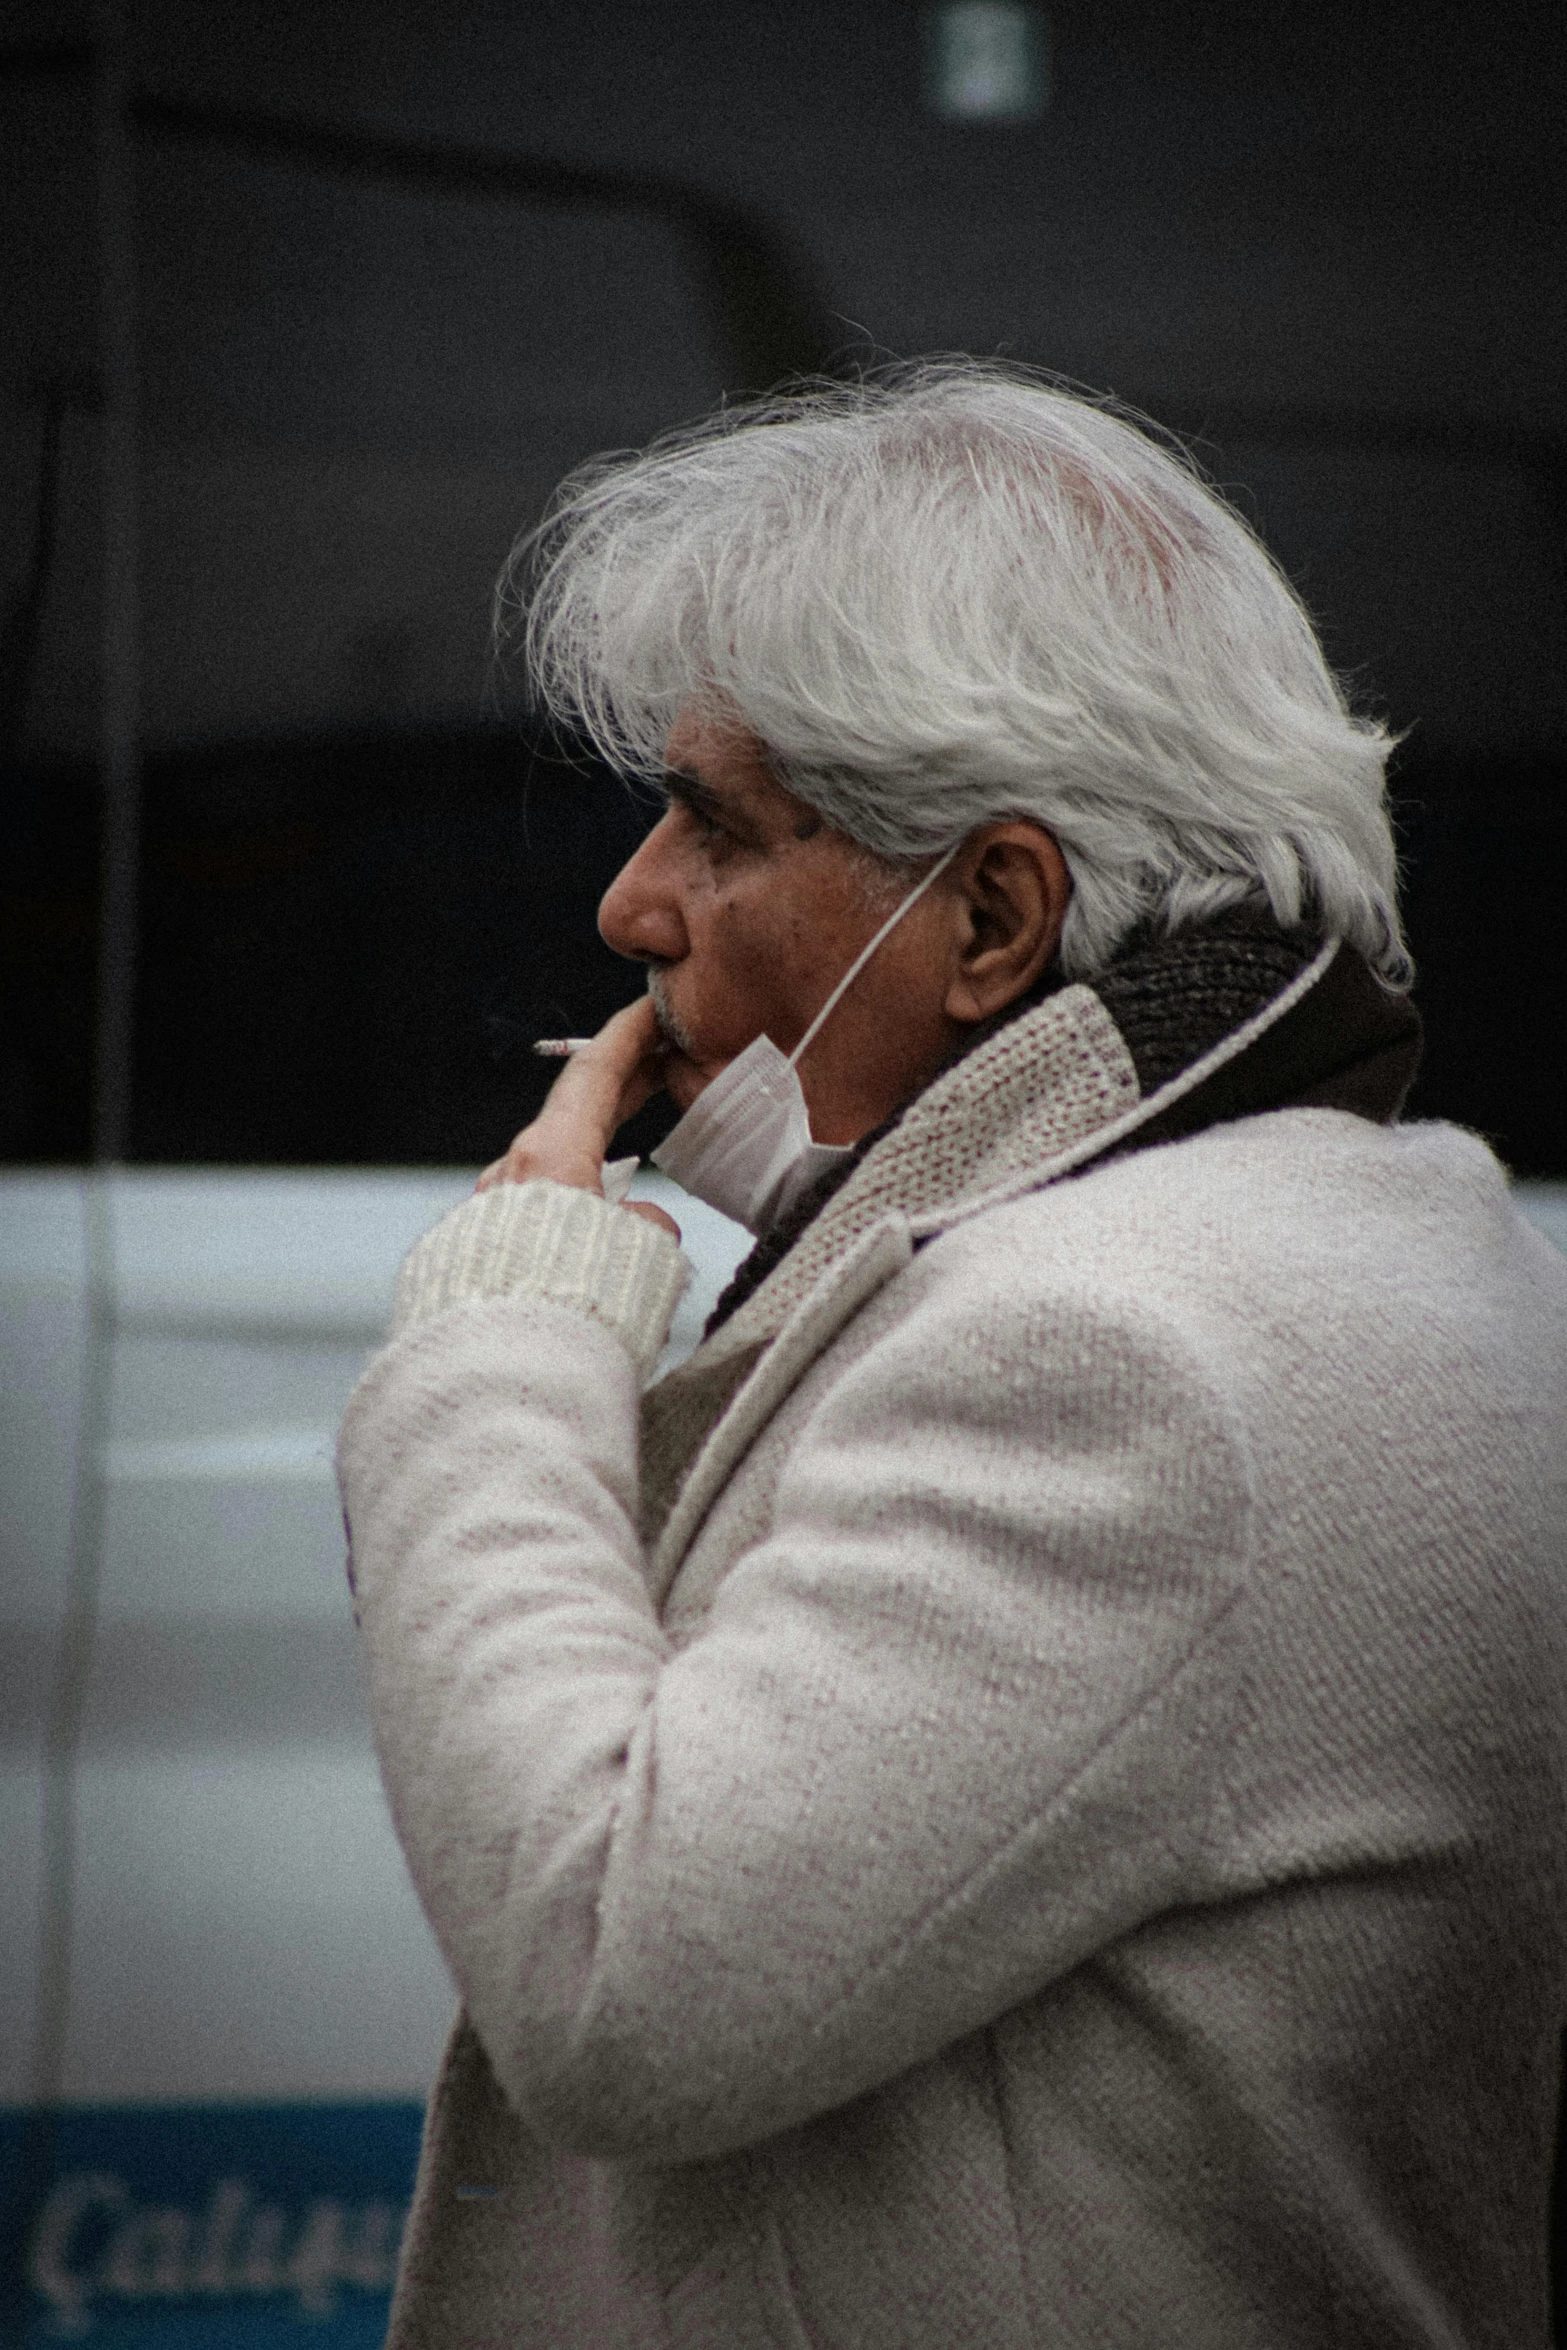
point(651, 1215)
point(597, 1090)
point(614, 1073)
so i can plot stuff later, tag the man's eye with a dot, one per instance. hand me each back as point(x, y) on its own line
point(711, 830)
point(708, 825)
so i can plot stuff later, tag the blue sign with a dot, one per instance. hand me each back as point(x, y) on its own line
point(225, 2227)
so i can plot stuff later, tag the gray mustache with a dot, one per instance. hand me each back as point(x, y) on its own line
point(668, 1020)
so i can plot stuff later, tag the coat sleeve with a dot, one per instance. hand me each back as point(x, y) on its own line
point(951, 1727)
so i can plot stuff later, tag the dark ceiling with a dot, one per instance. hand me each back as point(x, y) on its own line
point(1325, 243)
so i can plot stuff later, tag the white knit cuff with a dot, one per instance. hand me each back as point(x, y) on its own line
point(548, 1240)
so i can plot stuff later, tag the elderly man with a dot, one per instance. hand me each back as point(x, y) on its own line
point(1018, 1796)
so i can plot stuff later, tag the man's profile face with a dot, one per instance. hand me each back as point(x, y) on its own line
point(748, 909)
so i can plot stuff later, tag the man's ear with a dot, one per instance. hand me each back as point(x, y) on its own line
point(1013, 889)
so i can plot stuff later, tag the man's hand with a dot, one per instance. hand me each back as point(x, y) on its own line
point(599, 1088)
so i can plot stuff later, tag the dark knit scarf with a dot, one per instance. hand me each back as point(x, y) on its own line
point(1348, 1044)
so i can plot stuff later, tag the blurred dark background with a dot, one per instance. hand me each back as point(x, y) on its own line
point(397, 266)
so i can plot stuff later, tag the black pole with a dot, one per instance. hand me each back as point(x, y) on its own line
point(120, 729)
point(120, 775)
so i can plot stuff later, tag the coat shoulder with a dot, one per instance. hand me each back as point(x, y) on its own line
point(1302, 1205)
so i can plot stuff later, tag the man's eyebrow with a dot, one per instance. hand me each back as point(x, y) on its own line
point(690, 790)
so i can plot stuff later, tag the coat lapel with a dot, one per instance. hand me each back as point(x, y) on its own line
point(1049, 1094)
point(768, 1375)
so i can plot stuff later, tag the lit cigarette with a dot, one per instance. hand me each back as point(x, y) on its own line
point(559, 1048)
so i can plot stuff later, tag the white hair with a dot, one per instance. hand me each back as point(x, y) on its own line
point(957, 592)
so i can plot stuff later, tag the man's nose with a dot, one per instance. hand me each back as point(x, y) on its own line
point(639, 913)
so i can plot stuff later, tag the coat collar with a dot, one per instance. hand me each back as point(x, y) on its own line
point(1053, 1092)
point(1053, 1078)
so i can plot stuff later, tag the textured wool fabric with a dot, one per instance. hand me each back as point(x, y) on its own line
point(1043, 1082)
point(554, 1242)
point(1095, 1096)
point(1173, 999)
point(1064, 1838)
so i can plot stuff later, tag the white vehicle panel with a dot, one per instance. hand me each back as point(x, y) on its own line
point(256, 2004)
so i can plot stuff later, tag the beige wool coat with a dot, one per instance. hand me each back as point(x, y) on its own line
point(1035, 1811)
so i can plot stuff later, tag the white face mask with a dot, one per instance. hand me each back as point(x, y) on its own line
point(745, 1144)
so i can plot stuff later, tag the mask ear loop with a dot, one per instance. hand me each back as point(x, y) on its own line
point(866, 952)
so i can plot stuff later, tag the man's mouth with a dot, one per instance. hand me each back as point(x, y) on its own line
point(669, 1020)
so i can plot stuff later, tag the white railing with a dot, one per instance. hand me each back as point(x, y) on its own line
point(243, 1927)
point(242, 1924)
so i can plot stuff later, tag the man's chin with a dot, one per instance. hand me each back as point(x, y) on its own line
point(684, 1079)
